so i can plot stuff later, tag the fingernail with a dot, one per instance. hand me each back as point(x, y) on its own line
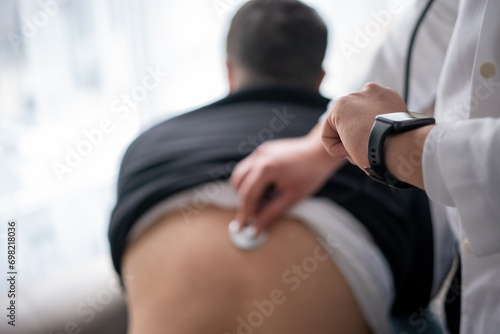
point(235, 226)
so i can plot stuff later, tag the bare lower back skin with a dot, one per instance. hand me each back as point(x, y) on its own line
point(186, 277)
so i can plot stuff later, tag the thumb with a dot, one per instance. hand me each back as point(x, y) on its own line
point(332, 142)
point(274, 210)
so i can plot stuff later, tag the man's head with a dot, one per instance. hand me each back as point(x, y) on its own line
point(276, 42)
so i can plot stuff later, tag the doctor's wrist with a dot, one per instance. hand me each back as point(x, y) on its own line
point(403, 155)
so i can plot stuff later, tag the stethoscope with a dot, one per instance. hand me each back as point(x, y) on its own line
point(410, 51)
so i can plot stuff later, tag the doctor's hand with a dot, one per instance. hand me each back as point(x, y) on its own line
point(292, 168)
point(348, 125)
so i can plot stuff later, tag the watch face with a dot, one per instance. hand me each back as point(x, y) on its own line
point(401, 116)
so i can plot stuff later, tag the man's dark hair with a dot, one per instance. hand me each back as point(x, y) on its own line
point(279, 41)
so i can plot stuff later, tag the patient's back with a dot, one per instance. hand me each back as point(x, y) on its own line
point(188, 278)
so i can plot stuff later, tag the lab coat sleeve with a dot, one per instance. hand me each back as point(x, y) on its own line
point(461, 166)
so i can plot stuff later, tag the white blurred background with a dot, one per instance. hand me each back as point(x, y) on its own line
point(64, 66)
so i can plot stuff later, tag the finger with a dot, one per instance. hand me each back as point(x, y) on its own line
point(331, 141)
point(335, 148)
point(251, 192)
point(241, 171)
point(274, 210)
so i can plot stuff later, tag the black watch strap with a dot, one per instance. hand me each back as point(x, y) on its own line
point(378, 170)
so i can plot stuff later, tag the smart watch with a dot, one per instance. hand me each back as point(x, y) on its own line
point(384, 125)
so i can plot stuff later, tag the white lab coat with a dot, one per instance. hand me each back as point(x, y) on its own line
point(462, 158)
point(461, 161)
